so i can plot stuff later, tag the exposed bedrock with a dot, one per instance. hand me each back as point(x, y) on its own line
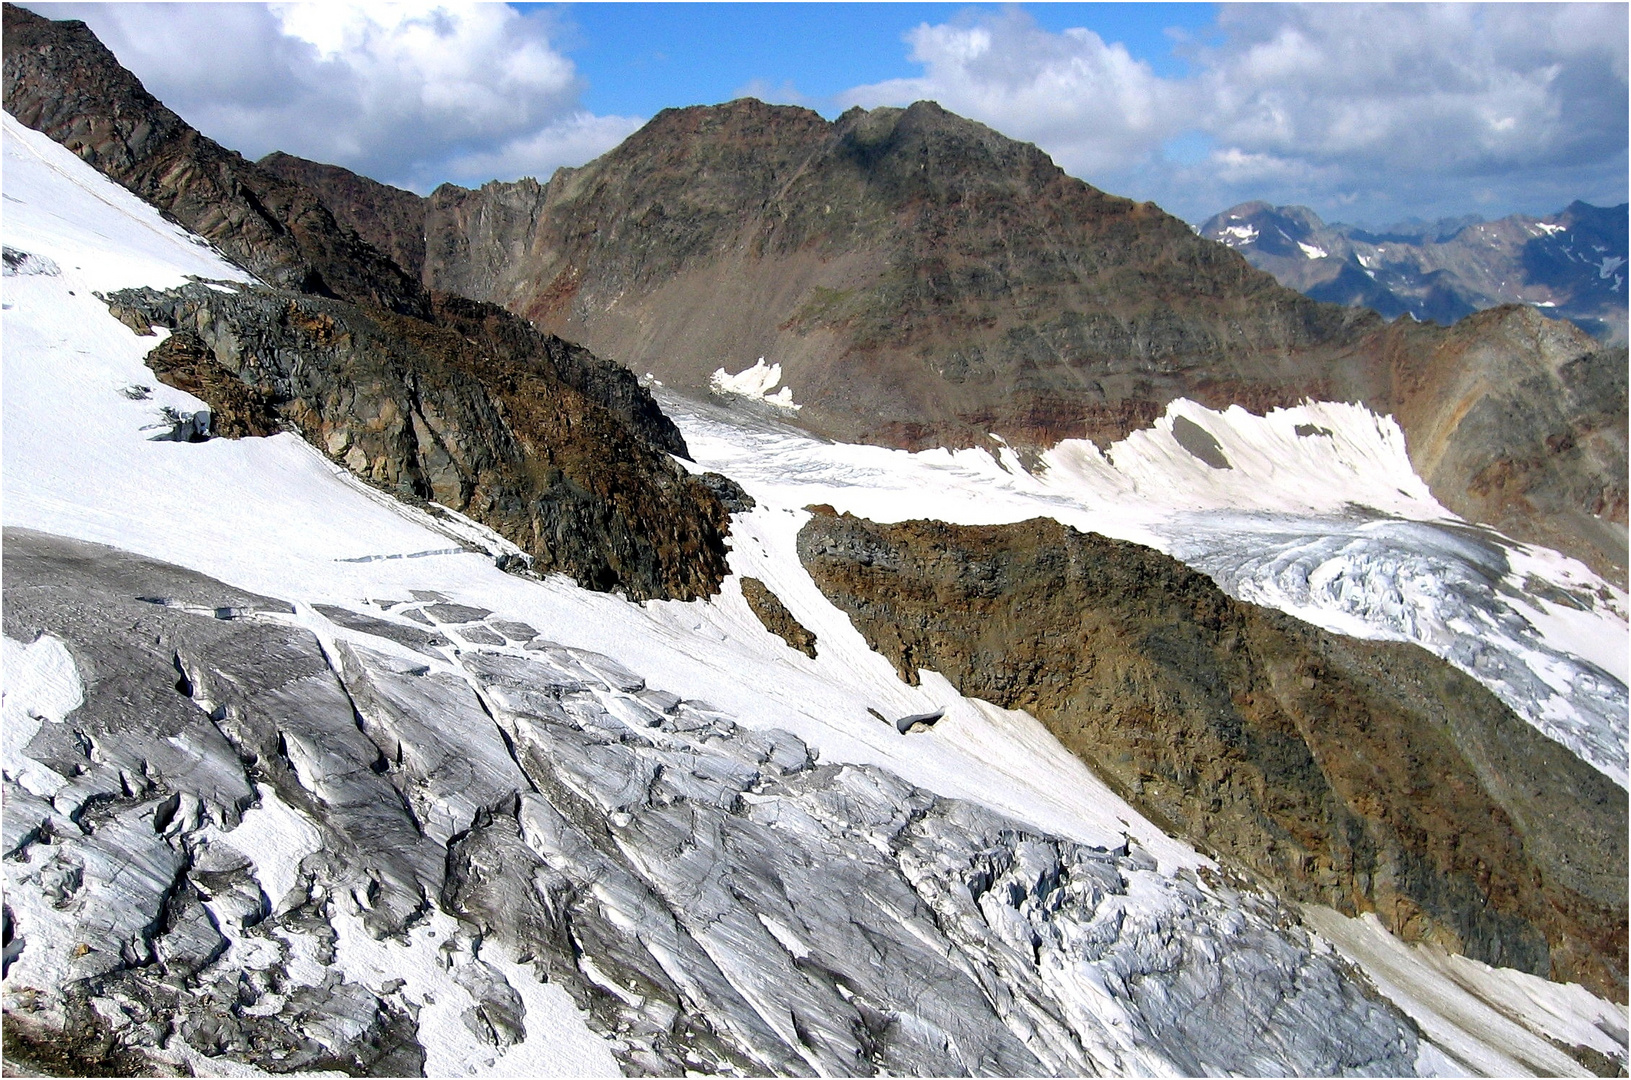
point(771, 612)
point(563, 454)
point(1519, 421)
point(924, 280)
point(1369, 776)
point(711, 897)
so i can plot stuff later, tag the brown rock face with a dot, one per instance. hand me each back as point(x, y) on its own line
point(480, 413)
point(924, 280)
point(920, 277)
point(1368, 776)
point(388, 218)
point(237, 411)
point(61, 81)
point(1519, 421)
point(769, 609)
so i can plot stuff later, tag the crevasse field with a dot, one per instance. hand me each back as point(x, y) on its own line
point(1314, 511)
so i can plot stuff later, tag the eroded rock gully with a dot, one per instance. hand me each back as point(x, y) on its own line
point(563, 454)
point(712, 897)
point(1369, 776)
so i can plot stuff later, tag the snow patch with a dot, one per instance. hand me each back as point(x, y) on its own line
point(42, 685)
point(1491, 1021)
point(1237, 235)
point(756, 383)
point(1312, 251)
point(428, 962)
point(60, 208)
point(274, 837)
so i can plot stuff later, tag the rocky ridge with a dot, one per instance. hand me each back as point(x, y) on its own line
point(560, 453)
point(390, 219)
point(923, 281)
point(429, 396)
point(918, 276)
point(788, 916)
point(60, 80)
point(1367, 776)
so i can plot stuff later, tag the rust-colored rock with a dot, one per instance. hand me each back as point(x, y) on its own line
point(390, 219)
point(924, 281)
point(237, 410)
point(1369, 776)
point(769, 609)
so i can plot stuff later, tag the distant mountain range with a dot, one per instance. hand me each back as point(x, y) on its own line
point(1571, 264)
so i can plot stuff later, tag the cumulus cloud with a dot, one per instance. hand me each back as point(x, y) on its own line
point(1089, 103)
point(409, 93)
point(1378, 110)
point(570, 140)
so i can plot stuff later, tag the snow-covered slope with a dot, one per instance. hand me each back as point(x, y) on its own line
point(1312, 510)
point(363, 573)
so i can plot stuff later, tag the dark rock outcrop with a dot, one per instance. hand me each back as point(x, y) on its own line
point(60, 80)
point(1368, 776)
point(770, 611)
point(564, 455)
point(922, 279)
point(183, 361)
point(389, 218)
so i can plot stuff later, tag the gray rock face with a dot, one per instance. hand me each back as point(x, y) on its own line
point(712, 897)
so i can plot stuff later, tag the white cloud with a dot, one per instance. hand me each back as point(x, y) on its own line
point(1090, 104)
point(1375, 107)
point(571, 140)
point(408, 93)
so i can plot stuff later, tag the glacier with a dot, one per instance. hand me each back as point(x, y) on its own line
point(683, 788)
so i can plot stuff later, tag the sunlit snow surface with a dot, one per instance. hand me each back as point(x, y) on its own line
point(1317, 514)
point(274, 516)
point(755, 384)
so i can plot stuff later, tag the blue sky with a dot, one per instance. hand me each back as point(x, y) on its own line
point(639, 58)
point(1366, 113)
